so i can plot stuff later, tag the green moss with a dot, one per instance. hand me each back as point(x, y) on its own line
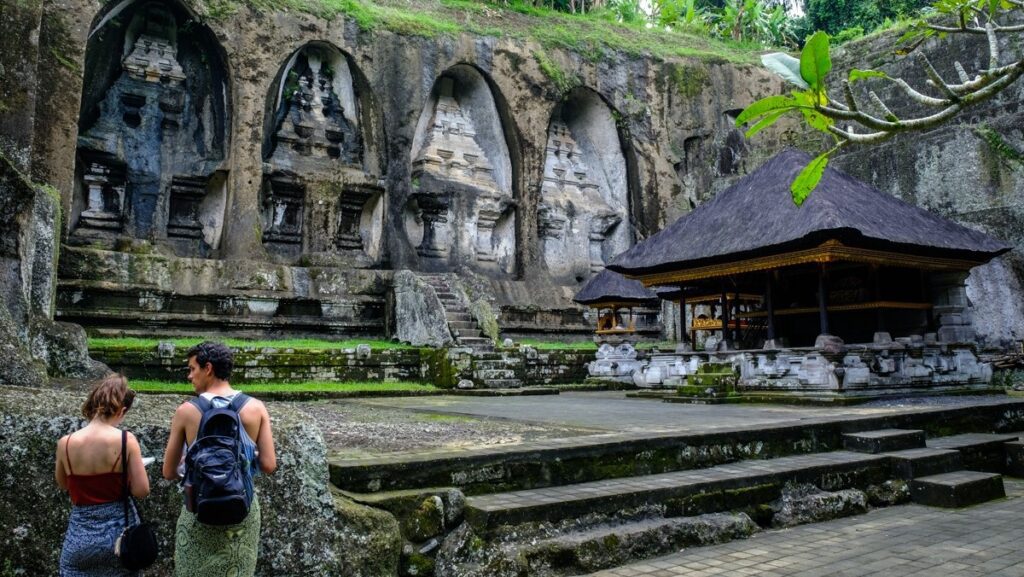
point(302, 344)
point(689, 81)
point(999, 146)
point(563, 81)
point(148, 386)
point(591, 35)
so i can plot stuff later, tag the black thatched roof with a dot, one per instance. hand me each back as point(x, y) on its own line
point(756, 216)
point(608, 286)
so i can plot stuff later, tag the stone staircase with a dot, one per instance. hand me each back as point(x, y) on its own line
point(461, 323)
point(496, 370)
point(488, 368)
point(936, 470)
point(565, 508)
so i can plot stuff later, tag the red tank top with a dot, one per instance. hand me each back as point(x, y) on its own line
point(93, 489)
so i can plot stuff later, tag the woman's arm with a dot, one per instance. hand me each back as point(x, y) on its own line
point(138, 479)
point(61, 473)
point(265, 443)
point(172, 454)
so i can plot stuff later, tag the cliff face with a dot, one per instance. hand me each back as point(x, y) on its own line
point(970, 170)
point(310, 147)
point(261, 168)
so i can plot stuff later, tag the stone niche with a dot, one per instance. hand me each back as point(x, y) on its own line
point(461, 210)
point(322, 199)
point(583, 216)
point(153, 133)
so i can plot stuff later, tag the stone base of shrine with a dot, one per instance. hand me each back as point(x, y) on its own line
point(848, 373)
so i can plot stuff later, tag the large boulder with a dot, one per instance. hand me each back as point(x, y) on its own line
point(419, 315)
point(308, 529)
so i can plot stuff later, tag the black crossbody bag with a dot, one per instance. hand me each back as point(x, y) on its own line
point(137, 547)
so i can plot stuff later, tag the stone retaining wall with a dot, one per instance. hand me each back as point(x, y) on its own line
point(265, 364)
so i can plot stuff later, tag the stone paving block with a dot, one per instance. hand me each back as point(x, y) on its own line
point(884, 440)
point(958, 489)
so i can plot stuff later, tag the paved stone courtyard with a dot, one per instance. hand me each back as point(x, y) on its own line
point(908, 540)
point(613, 411)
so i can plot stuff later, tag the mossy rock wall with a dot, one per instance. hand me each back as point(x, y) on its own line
point(278, 365)
point(308, 530)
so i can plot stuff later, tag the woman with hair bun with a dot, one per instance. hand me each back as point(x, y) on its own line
point(89, 468)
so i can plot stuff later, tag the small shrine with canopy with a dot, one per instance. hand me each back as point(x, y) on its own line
point(615, 298)
point(809, 298)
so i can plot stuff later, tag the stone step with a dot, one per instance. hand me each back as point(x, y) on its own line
point(460, 325)
point(592, 550)
point(457, 316)
point(957, 489)
point(496, 365)
point(1015, 458)
point(489, 374)
point(884, 440)
point(724, 487)
point(447, 296)
point(474, 341)
point(468, 333)
point(978, 451)
point(502, 383)
point(914, 463)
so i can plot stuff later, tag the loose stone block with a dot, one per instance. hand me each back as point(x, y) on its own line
point(915, 463)
point(959, 489)
point(1015, 458)
point(884, 441)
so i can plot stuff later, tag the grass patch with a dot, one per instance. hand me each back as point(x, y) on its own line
point(591, 34)
point(184, 343)
point(555, 345)
point(307, 387)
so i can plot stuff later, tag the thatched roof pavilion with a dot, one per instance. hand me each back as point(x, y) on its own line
point(607, 288)
point(848, 240)
point(612, 291)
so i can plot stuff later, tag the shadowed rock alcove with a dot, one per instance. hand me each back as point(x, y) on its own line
point(583, 216)
point(461, 211)
point(321, 197)
point(153, 132)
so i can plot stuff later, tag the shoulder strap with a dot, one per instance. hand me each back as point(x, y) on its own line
point(124, 475)
point(201, 403)
point(239, 401)
point(67, 454)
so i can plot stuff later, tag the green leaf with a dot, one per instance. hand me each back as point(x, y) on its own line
point(815, 63)
point(764, 106)
point(856, 74)
point(816, 120)
point(765, 122)
point(785, 66)
point(808, 178)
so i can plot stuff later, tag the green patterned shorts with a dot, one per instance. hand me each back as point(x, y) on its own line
point(208, 551)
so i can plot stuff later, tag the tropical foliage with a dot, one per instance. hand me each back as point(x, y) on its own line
point(848, 120)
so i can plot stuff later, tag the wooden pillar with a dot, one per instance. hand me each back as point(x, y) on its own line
point(682, 316)
point(926, 296)
point(876, 295)
point(725, 316)
point(769, 301)
point(736, 315)
point(822, 301)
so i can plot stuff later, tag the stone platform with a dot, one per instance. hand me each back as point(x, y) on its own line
point(566, 506)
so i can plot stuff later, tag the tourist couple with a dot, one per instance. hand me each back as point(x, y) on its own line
point(90, 466)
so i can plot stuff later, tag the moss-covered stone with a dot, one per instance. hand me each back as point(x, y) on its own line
point(307, 528)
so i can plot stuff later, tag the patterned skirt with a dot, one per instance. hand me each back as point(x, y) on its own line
point(208, 551)
point(88, 549)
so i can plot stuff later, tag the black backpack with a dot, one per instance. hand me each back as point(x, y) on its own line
point(218, 475)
